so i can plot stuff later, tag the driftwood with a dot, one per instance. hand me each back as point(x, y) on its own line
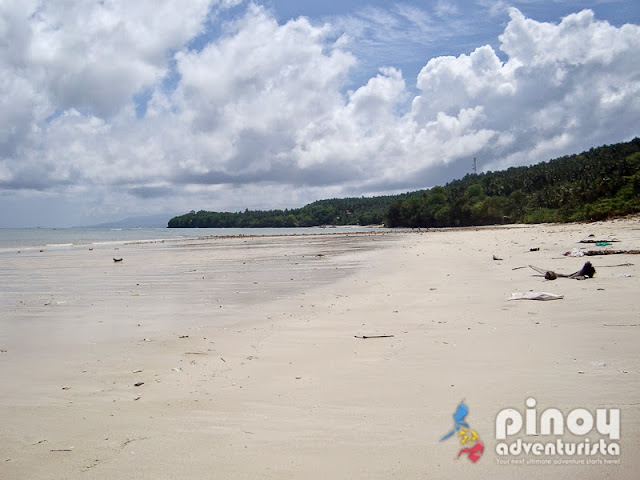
point(597, 241)
point(587, 271)
point(373, 336)
point(591, 253)
point(117, 259)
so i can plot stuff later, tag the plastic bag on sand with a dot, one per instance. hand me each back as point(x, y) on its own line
point(535, 296)
point(576, 252)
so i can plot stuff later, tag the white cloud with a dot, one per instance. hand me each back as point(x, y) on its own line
point(96, 55)
point(563, 87)
point(445, 8)
point(259, 116)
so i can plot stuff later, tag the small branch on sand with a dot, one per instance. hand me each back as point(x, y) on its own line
point(373, 336)
point(597, 241)
point(591, 253)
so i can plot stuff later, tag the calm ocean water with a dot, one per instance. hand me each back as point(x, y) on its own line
point(25, 238)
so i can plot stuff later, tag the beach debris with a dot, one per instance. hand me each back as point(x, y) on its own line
point(587, 271)
point(591, 253)
point(117, 259)
point(146, 339)
point(137, 398)
point(625, 275)
point(62, 450)
point(195, 353)
point(373, 336)
point(66, 387)
point(138, 384)
point(535, 296)
point(603, 244)
point(137, 371)
point(90, 248)
point(575, 252)
point(176, 369)
point(518, 268)
point(223, 360)
point(183, 336)
point(621, 324)
point(535, 249)
point(3, 350)
point(496, 258)
point(618, 265)
point(599, 241)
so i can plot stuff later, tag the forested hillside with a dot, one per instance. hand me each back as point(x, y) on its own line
point(337, 211)
point(594, 185)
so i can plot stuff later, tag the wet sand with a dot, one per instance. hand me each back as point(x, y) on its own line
point(251, 368)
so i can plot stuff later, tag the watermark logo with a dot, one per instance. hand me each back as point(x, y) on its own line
point(591, 433)
point(469, 438)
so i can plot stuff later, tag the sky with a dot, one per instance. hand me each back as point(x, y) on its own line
point(112, 108)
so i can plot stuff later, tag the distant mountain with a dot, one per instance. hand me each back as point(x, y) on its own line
point(148, 221)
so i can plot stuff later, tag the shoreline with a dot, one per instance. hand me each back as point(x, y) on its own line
point(197, 234)
point(255, 371)
point(303, 231)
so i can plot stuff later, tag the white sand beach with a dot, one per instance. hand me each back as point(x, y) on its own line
point(250, 366)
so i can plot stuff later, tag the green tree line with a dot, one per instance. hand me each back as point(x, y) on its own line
point(336, 211)
point(600, 183)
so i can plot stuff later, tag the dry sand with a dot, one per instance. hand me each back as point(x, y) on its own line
point(269, 381)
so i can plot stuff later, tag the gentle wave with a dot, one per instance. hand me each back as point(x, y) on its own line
point(60, 238)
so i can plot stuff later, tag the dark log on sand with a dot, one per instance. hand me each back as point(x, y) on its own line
point(587, 271)
point(598, 241)
point(592, 253)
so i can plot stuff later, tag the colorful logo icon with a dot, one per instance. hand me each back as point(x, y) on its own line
point(474, 446)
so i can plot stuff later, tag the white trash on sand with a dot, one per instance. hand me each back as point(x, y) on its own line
point(535, 296)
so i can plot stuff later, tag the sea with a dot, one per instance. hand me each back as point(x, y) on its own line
point(12, 239)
